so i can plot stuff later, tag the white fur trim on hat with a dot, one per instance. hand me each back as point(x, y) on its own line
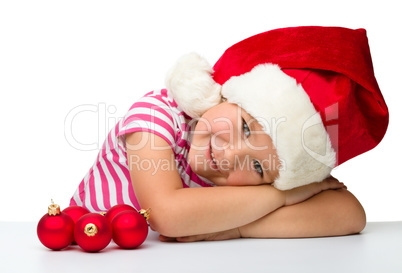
point(287, 115)
point(191, 84)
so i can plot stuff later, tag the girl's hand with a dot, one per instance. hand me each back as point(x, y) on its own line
point(217, 236)
point(303, 193)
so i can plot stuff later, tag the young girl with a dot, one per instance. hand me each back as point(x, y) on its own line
point(272, 118)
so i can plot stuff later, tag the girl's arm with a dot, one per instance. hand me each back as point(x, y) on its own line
point(329, 213)
point(178, 211)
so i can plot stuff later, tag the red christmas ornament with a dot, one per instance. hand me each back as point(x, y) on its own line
point(130, 228)
point(75, 212)
point(93, 232)
point(55, 229)
point(113, 211)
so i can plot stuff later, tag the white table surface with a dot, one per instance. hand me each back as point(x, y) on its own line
point(377, 249)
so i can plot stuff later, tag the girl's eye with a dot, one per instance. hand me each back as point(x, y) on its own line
point(257, 167)
point(246, 129)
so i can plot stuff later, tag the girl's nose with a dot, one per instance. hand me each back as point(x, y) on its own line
point(229, 157)
point(234, 156)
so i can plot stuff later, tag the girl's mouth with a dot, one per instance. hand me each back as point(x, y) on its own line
point(212, 158)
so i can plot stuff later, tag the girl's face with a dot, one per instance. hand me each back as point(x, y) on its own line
point(230, 148)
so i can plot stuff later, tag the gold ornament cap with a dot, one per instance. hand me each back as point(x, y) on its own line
point(90, 229)
point(146, 213)
point(53, 209)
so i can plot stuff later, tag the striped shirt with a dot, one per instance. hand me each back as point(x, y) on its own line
point(108, 181)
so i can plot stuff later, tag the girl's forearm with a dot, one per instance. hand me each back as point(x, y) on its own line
point(209, 210)
point(330, 213)
point(192, 211)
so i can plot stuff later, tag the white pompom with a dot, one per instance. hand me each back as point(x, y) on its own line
point(191, 84)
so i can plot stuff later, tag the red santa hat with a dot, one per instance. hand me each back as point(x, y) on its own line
point(312, 89)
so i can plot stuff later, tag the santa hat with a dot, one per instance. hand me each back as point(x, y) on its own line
point(312, 89)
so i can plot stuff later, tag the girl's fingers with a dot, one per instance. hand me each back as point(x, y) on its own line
point(193, 238)
point(166, 239)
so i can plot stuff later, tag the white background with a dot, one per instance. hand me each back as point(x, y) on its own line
point(103, 55)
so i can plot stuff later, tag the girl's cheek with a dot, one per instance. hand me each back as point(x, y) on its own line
point(242, 178)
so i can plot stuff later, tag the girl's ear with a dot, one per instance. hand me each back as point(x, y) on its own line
point(191, 84)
